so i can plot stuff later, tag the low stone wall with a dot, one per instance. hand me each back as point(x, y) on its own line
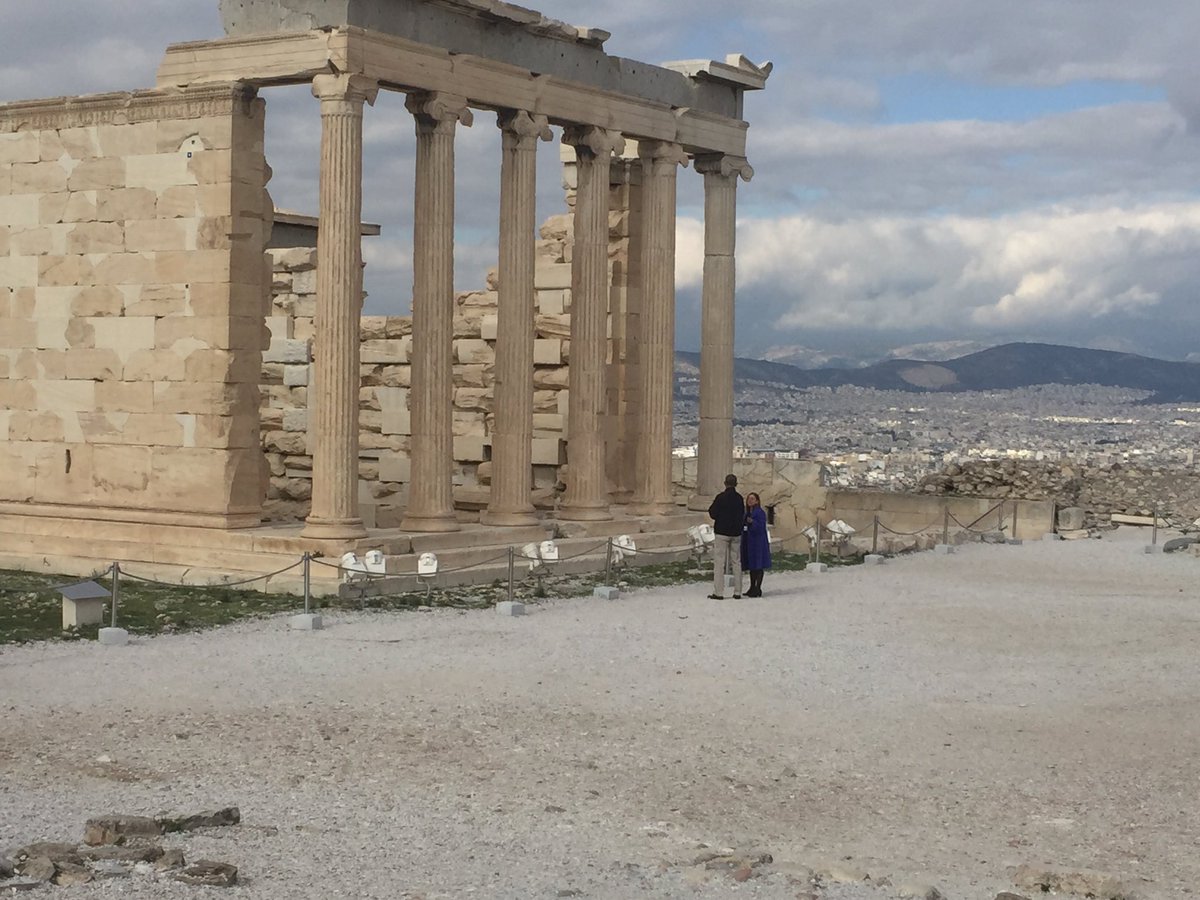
point(1100, 489)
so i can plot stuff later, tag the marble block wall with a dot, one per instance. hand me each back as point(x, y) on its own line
point(132, 289)
point(384, 425)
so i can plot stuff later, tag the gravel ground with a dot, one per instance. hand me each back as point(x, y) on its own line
point(938, 719)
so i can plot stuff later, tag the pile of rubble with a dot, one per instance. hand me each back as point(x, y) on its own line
point(1101, 490)
point(119, 846)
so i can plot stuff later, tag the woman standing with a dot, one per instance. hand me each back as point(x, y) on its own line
point(756, 546)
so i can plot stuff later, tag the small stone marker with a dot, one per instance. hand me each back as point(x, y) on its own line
point(510, 608)
point(306, 622)
point(873, 559)
point(604, 592)
point(944, 549)
point(113, 637)
point(816, 568)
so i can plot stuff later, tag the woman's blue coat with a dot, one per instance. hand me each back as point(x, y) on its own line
point(756, 548)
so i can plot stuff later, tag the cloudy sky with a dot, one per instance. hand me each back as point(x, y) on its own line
point(962, 172)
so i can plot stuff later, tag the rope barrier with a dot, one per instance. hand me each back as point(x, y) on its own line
point(928, 527)
point(55, 588)
point(218, 584)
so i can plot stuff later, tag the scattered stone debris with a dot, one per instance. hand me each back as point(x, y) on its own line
point(116, 846)
point(1085, 883)
point(209, 873)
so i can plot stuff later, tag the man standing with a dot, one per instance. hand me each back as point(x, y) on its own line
point(728, 512)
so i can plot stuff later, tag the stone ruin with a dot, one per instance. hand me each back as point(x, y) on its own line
point(136, 298)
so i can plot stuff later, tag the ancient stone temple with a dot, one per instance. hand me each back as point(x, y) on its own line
point(136, 297)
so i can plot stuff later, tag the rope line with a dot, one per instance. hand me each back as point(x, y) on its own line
point(930, 527)
point(244, 581)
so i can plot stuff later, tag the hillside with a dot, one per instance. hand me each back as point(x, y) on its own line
point(997, 368)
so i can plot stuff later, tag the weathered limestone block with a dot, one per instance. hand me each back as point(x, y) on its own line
point(396, 421)
point(547, 326)
point(552, 303)
point(123, 396)
point(24, 211)
point(545, 377)
point(157, 171)
point(154, 365)
point(288, 351)
point(376, 352)
point(552, 276)
point(488, 327)
point(391, 398)
point(467, 327)
point(296, 376)
point(98, 365)
point(470, 448)
point(558, 228)
point(25, 271)
point(479, 300)
point(124, 204)
point(122, 268)
point(207, 399)
point(19, 147)
point(40, 178)
point(549, 452)
point(127, 333)
point(95, 300)
point(293, 259)
point(474, 352)
point(473, 398)
point(545, 401)
point(548, 422)
point(151, 235)
point(394, 468)
point(547, 352)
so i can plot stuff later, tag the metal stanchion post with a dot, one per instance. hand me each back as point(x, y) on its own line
point(307, 582)
point(608, 550)
point(511, 562)
point(946, 526)
point(116, 588)
point(875, 534)
point(1014, 521)
point(1154, 527)
point(818, 557)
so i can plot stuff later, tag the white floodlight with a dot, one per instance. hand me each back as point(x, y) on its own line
point(623, 546)
point(548, 551)
point(353, 567)
point(375, 562)
point(427, 565)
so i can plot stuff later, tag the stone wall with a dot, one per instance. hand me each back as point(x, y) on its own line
point(1099, 489)
point(386, 377)
point(132, 227)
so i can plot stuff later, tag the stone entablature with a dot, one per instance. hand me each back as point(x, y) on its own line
point(131, 301)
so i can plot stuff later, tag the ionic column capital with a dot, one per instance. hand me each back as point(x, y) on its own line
point(439, 111)
point(524, 127)
point(352, 88)
point(724, 165)
point(593, 140)
point(662, 151)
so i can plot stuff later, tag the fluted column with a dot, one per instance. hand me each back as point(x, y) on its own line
point(721, 174)
point(587, 490)
point(512, 448)
point(660, 164)
point(333, 398)
point(430, 489)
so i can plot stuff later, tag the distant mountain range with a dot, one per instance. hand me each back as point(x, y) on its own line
point(1005, 367)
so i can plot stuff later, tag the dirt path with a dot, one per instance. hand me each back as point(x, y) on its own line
point(938, 718)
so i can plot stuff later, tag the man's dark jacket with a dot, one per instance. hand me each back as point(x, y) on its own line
point(728, 512)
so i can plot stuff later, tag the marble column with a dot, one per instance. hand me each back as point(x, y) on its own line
point(431, 397)
point(721, 174)
point(660, 164)
point(512, 448)
point(587, 489)
point(333, 398)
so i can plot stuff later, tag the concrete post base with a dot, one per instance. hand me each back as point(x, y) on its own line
point(113, 637)
point(1152, 549)
point(1014, 542)
point(510, 608)
point(944, 549)
point(872, 559)
point(1051, 536)
point(816, 568)
point(604, 592)
point(306, 622)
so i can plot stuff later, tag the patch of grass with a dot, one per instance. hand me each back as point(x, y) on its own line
point(30, 610)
